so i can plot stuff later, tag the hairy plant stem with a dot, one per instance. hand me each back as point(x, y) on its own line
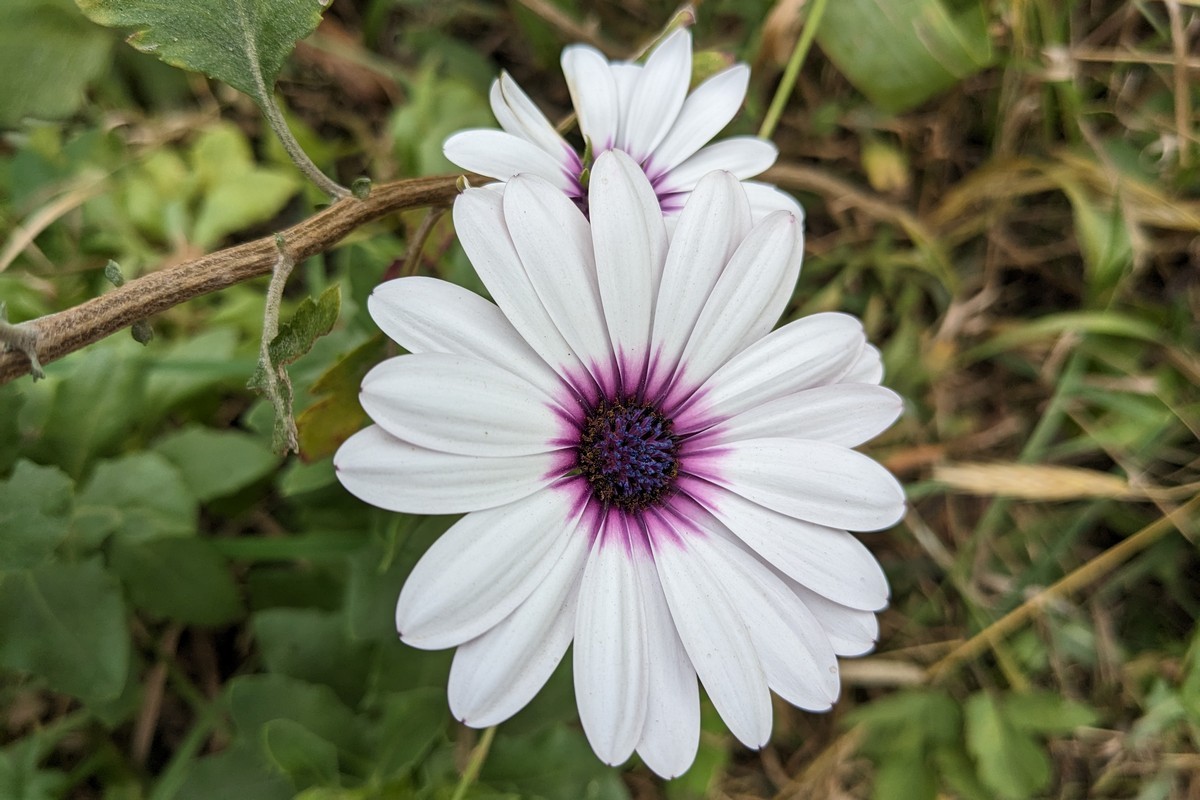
point(792, 71)
point(53, 336)
point(278, 386)
point(278, 124)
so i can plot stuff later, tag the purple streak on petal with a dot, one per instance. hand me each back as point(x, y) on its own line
point(659, 530)
point(701, 490)
point(673, 203)
point(562, 464)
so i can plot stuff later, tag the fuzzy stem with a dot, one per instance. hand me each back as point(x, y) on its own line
point(792, 71)
point(278, 124)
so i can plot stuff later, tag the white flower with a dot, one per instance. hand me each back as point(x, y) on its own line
point(645, 111)
point(647, 469)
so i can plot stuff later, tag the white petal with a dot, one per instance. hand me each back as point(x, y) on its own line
point(481, 569)
point(714, 634)
point(518, 115)
point(845, 414)
point(736, 302)
point(501, 155)
point(851, 632)
point(705, 112)
point(813, 481)
point(494, 675)
point(479, 222)
point(779, 298)
point(390, 473)
point(625, 76)
point(812, 351)
point(461, 405)
point(708, 232)
point(671, 735)
point(744, 156)
point(794, 649)
point(828, 561)
point(594, 94)
point(610, 656)
point(631, 245)
point(867, 369)
point(554, 242)
point(766, 198)
point(658, 96)
point(427, 315)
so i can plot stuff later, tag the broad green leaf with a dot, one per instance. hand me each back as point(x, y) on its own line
point(66, 624)
point(35, 511)
point(20, 780)
point(307, 759)
point(192, 366)
point(313, 645)
point(905, 774)
point(184, 580)
point(48, 54)
point(138, 497)
point(256, 700)
point(412, 721)
point(95, 406)
point(241, 42)
point(929, 716)
point(1046, 713)
point(956, 769)
point(238, 772)
point(216, 463)
point(555, 763)
point(1010, 762)
point(901, 52)
point(327, 423)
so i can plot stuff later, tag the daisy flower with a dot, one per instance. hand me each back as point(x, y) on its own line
point(644, 111)
point(646, 470)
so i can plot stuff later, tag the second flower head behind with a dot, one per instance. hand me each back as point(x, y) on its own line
point(644, 111)
point(646, 468)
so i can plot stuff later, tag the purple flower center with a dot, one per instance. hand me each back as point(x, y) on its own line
point(628, 454)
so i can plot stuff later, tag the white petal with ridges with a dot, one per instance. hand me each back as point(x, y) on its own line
point(631, 245)
point(868, 368)
point(744, 156)
point(705, 112)
point(427, 315)
point(708, 232)
point(554, 242)
point(496, 674)
point(518, 115)
point(501, 155)
point(845, 414)
point(813, 481)
point(715, 635)
point(828, 561)
point(812, 351)
point(593, 93)
point(482, 569)
point(766, 198)
point(851, 632)
point(671, 734)
point(658, 96)
point(793, 648)
point(610, 655)
point(384, 471)
point(461, 405)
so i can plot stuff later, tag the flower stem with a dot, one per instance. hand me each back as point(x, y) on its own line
point(278, 124)
point(474, 764)
point(792, 71)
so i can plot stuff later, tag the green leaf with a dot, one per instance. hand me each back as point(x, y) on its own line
point(138, 497)
point(313, 645)
point(216, 463)
point(234, 773)
point(48, 54)
point(66, 624)
point(905, 775)
point(1103, 234)
point(555, 763)
point(928, 716)
point(307, 759)
point(412, 721)
point(11, 401)
point(256, 700)
point(900, 52)
point(35, 509)
point(1046, 713)
point(327, 423)
point(241, 42)
point(1010, 762)
point(178, 579)
point(24, 781)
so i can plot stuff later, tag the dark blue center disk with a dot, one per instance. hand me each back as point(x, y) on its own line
point(628, 454)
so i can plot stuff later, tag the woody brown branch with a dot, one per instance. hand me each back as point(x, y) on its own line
point(70, 330)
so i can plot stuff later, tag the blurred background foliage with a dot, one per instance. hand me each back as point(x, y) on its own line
point(1008, 193)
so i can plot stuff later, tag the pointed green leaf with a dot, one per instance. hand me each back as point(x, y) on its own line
point(1010, 762)
point(300, 754)
point(138, 498)
point(327, 423)
point(216, 463)
point(66, 624)
point(179, 579)
point(241, 42)
point(1046, 713)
